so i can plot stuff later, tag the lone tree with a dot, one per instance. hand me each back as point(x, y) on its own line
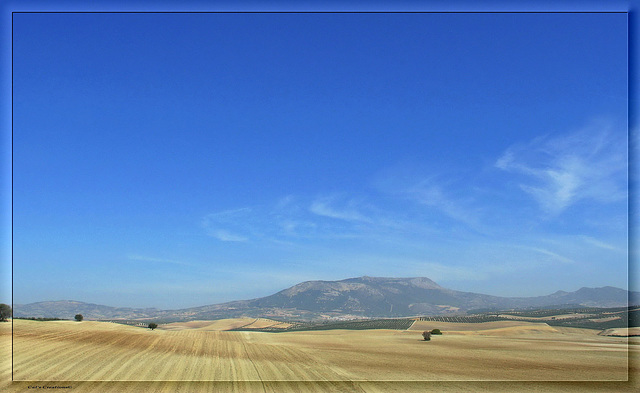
point(79, 317)
point(5, 312)
point(436, 331)
point(426, 335)
point(153, 325)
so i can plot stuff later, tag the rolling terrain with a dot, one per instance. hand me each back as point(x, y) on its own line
point(98, 351)
point(496, 356)
point(526, 350)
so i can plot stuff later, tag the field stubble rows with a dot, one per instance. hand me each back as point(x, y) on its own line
point(93, 351)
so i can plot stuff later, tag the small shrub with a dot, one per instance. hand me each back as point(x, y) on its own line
point(79, 317)
point(153, 326)
point(426, 335)
point(436, 331)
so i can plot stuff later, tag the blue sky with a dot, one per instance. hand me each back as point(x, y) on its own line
point(182, 160)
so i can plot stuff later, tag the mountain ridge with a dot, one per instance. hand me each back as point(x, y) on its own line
point(368, 297)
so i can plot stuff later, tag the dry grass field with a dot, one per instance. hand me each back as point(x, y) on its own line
point(106, 357)
point(633, 331)
point(226, 324)
point(499, 328)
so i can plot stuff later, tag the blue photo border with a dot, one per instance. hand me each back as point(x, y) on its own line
point(9, 8)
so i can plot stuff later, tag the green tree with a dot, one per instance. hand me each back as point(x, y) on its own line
point(436, 331)
point(79, 317)
point(5, 312)
point(153, 326)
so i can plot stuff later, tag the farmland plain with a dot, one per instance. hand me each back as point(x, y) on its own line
point(503, 356)
point(226, 324)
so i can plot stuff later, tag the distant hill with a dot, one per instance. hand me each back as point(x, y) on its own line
point(353, 297)
point(589, 297)
point(67, 309)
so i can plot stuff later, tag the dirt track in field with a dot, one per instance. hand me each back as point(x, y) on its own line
point(120, 358)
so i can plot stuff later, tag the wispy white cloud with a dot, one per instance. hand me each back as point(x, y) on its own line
point(286, 202)
point(433, 195)
point(342, 217)
point(296, 227)
point(326, 207)
point(436, 191)
point(599, 243)
point(287, 219)
point(295, 219)
point(554, 256)
point(590, 164)
point(227, 236)
point(228, 225)
point(447, 272)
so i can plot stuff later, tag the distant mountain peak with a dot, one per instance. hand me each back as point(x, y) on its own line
point(364, 296)
point(422, 282)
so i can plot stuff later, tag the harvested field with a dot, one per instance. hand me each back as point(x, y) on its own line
point(67, 353)
point(455, 327)
point(623, 332)
point(226, 324)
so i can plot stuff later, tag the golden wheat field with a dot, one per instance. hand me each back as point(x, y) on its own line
point(512, 356)
point(226, 324)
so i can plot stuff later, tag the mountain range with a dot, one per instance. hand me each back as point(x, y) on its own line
point(369, 297)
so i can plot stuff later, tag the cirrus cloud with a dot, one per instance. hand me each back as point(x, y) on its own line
point(589, 164)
